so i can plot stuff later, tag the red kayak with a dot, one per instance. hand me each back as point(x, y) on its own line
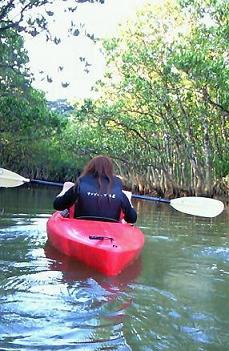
point(106, 246)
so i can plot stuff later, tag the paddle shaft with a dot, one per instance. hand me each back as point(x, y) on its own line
point(134, 196)
point(150, 198)
point(196, 206)
point(44, 182)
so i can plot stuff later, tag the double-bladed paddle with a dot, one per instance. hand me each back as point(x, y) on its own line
point(193, 205)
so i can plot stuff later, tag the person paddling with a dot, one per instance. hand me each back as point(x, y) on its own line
point(97, 194)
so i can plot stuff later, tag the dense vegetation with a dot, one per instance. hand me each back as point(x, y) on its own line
point(161, 113)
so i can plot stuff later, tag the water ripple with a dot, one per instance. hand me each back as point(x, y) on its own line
point(173, 299)
point(39, 309)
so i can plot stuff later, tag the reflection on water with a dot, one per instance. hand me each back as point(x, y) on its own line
point(174, 297)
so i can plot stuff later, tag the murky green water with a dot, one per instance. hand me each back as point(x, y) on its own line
point(175, 297)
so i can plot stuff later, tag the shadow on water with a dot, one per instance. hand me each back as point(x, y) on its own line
point(60, 304)
point(74, 270)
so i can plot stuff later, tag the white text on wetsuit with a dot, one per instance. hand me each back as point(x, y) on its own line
point(104, 195)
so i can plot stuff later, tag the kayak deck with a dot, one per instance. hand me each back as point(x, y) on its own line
point(106, 246)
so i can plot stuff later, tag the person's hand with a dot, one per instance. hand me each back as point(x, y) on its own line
point(128, 195)
point(66, 187)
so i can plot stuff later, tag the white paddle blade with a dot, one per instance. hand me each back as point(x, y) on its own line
point(198, 206)
point(10, 179)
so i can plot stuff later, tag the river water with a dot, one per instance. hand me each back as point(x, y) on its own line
point(175, 297)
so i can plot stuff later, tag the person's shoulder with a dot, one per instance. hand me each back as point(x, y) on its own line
point(117, 180)
point(86, 177)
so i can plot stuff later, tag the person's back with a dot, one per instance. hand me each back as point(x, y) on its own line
point(97, 193)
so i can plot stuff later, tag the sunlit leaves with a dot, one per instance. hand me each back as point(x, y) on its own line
point(166, 91)
point(162, 111)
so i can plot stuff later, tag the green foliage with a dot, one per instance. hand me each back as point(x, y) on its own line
point(162, 111)
point(26, 121)
point(14, 75)
point(164, 98)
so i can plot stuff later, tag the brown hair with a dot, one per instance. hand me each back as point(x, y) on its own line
point(100, 167)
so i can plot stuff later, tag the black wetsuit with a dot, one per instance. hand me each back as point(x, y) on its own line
point(94, 203)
